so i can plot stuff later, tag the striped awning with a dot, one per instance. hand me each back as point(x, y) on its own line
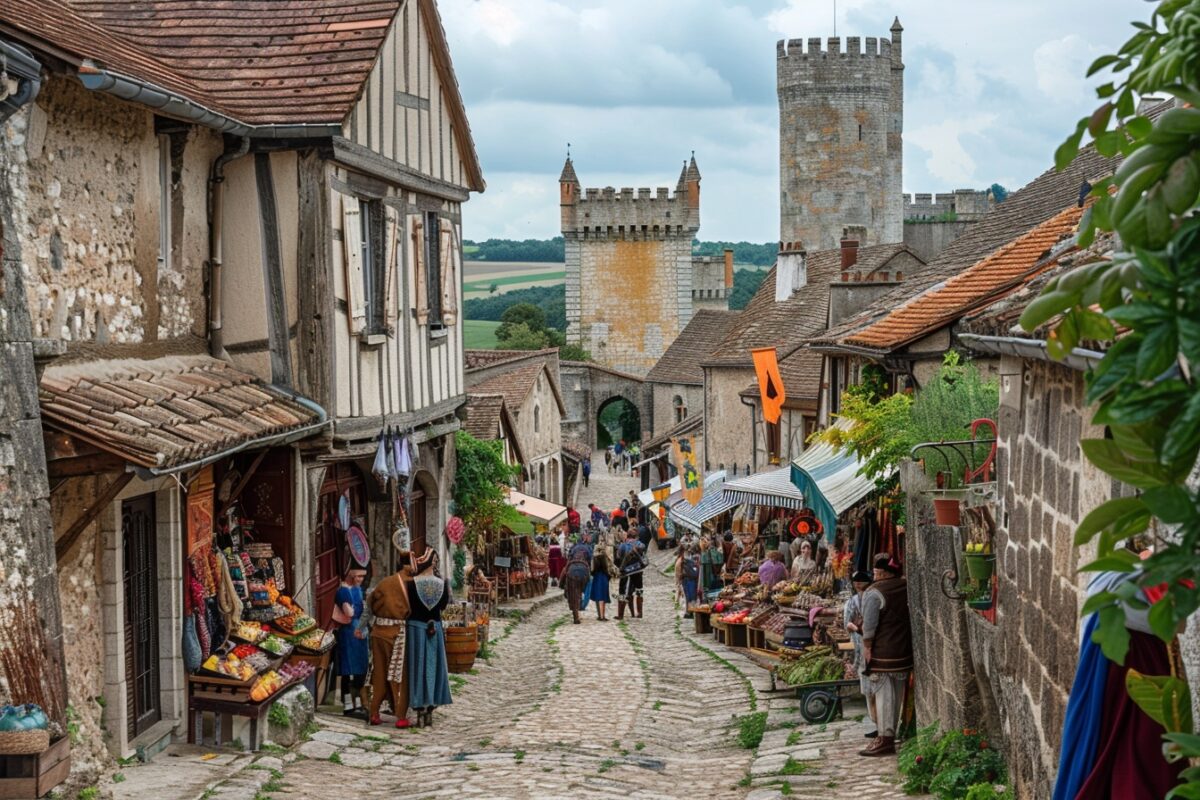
point(830, 480)
point(774, 488)
point(714, 503)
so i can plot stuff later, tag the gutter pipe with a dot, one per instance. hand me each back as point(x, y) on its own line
point(1079, 358)
point(216, 249)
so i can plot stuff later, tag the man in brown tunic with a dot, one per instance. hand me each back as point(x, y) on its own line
point(887, 649)
point(390, 608)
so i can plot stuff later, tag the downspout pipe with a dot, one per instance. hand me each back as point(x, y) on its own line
point(753, 438)
point(216, 249)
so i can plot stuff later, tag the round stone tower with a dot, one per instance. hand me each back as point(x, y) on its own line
point(841, 123)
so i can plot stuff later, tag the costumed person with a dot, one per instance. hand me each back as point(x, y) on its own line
point(711, 560)
point(353, 650)
point(852, 619)
point(428, 672)
point(1111, 750)
point(585, 540)
point(687, 570)
point(554, 559)
point(631, 563)
point(803, 563)
point(772, 570)
point(389, 606)
point(587, 470)
point(572, 519)
point(574, 577)
point(602, 570)
point(887, 650)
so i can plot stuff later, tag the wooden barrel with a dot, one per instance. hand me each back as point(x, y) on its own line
point(461, 646)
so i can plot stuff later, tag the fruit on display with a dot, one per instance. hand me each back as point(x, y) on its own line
point(276, 646)
point(736, 617)
point(231, 667)
point(296, 671)
point(719, 606)
point(297, 621)
point(249, 631)
point(267, 685)
point(316, 639)
point(747, 579)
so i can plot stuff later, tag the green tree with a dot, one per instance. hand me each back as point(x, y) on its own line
point(573, 352)
point(745, 284)
point(520, 336)
point(522, 313)
point(999, 193)
point(1146, 384)
point(478, 490)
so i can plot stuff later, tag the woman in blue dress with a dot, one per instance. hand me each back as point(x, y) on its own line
point(428, 672)
point(602, 571)
point(351, 636)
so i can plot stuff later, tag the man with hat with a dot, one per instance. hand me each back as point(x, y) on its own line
point(887, 649)
point(852, 618)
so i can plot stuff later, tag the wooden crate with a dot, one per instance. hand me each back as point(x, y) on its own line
point(207, 687)
point(756, 638)
point(735, 635)
point(701, 620)
point(35, 775)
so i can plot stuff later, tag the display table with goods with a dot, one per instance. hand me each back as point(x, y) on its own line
point(518, 567)
point(272, 645)
point(31, 761)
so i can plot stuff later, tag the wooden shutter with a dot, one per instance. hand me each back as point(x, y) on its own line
point(449, 255)
point(391, 279)
point(352, 239)
point(419, 284)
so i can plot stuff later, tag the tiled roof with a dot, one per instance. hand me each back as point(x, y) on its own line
point(483, 415)
point(944, 302)
point(519, 377)
point(169, 411)
point(766, 323)
point(477, 359)
point(694, 422)
point(1043, 198)
point(801, 373)
point(681, 362)
point(260, 61)
point(576, 449)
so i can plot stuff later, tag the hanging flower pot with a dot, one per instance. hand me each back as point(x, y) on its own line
point(980, 565)
point(947, 512)
point(981, 603)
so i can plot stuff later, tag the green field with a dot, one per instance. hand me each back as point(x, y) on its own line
point(529, 279)
point(479, 334)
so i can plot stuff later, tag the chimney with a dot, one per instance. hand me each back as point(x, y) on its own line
point(791, 270)
point(728, 268)
point(852, 235)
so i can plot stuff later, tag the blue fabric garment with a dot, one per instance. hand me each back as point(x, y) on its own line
point(598, 591)
point(428, 673)
point(1085, 710)
point(587, 593)
point(352, 652)
point(689, 589)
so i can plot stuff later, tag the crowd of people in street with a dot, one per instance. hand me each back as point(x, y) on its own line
point(621, 458)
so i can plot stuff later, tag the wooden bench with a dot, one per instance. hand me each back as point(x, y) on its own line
point(225, 699)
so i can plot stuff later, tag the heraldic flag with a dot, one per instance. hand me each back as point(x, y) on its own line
point(770, 384)
point(687, 460)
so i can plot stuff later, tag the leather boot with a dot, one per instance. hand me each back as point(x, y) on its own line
point(882, 746)
point(576, 615)
point(620, 609)
point(638, 601)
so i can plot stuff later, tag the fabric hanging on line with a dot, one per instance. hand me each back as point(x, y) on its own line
point(389, 446)
point(404, 455)
point(344, 511)
point(380, 467)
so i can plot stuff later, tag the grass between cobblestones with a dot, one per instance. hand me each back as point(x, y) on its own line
point(729, 665)
point(751, 728)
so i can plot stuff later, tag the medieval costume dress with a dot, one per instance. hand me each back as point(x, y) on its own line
point(1111, 750)
point(575, 576)
point(390, 607)
point(428, 672)
point(887, 638)
point(353, 648)
point(555, 561)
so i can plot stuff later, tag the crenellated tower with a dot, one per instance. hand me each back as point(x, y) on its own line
point(629, 267)
point(841, 126)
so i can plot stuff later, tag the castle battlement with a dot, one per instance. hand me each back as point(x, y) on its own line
point(966, 204)
point(628, 213)
point(795, 48)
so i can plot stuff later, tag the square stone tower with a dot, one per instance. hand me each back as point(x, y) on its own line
point(841, 126)
point(629, 267)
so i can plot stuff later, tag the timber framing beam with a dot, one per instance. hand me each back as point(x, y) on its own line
point(64, 543)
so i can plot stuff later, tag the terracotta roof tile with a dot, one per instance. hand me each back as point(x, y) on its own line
point(944, 302)
point(681, 362)
point(691, 423)
point(483, 415)
point(167, 411)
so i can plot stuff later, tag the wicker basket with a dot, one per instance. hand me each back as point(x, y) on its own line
point(23, 743)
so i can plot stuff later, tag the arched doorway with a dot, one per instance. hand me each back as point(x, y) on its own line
point(617, 418)
point(422, 510)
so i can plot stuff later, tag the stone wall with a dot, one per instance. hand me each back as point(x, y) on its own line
point(841, 124)
point(928, 239)
point(709, 289)
point(86, 188)
point(965, 204)
point(586, 387)
point(728, 435)
point(664, 395)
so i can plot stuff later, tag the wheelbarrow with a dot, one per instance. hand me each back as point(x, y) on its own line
point(822, 701)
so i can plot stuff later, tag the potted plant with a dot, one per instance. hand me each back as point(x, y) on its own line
point(978, 595)
point(980, 561)
point(947, 511)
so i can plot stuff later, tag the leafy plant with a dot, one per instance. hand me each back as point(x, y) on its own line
point(1145, 386)
point(949, 764)
point(279, 716)
point(478, 487)
point(458, 576)
point(987, 791)
point(751, 728)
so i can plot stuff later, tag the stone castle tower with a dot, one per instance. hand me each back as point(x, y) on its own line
point(841, 125)
point(630, 274)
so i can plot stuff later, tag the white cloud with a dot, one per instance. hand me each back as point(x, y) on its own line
point(1061, 64)
point(948, 159)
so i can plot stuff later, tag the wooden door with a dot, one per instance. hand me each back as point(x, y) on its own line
point(143, 708)
point(330, 551)
point(417, 520)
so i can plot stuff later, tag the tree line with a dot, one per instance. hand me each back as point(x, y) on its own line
point(553, 250)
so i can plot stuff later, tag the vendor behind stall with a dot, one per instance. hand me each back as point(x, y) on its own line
point(772, 570)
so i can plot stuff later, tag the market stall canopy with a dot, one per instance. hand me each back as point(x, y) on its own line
point(171, 413)
point(714, 503)
point(543, 510)
point(773, 488)
point(830, 480)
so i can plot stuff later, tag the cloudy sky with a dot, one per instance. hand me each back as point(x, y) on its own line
point(991, 87)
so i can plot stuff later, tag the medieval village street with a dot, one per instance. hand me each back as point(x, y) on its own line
point(638, 709)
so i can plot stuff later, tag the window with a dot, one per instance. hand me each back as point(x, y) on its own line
point(537, 419)
point(164, 201)
point(681, 411)
point(371, 233)
point(433, 267)
point(774, 430)
point(860, 133)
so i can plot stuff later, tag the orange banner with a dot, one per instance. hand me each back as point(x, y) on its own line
point(770, 383)
point(687, 460)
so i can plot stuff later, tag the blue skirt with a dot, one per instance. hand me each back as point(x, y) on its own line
point(587, 594)
point(599, 590)
point(689, 589)
point(351, 652)
point(428, 674)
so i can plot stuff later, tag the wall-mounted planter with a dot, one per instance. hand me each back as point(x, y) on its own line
point(980, 566)
point(982, 604)
point(947, 511)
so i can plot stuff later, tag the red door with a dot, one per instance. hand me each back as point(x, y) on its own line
point(330, 552)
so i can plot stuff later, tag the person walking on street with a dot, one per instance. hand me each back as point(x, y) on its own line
point(602, 571)
point(572, 519)
point(428, 671)
point(599, 518)
point(711, 559)
point(574, 577)
point(687, 571)
point(887, 649)
point(353, 649)
point(631, 564)
point(587, 470)
point(852, 618)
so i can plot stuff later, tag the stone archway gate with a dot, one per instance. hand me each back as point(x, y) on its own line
point(587, 386)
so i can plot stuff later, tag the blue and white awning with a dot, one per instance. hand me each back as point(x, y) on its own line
point(774, 488)
point(714, 503)
point(830, 480)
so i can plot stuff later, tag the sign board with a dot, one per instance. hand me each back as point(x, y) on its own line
point(503, 561)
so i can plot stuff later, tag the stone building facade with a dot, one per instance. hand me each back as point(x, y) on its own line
point(841, 124)
point(712, 281)
point(629, 267)
point(964, 204)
